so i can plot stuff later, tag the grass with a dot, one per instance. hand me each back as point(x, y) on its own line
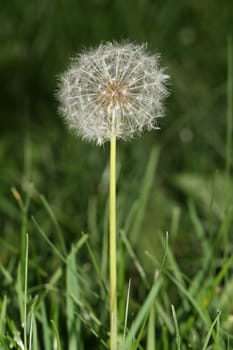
point(175, 218)
point(59, 293)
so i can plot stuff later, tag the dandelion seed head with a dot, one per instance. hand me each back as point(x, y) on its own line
point(113, 89)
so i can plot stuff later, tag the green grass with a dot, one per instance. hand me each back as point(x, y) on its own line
point(175, 188)
point(59, 292)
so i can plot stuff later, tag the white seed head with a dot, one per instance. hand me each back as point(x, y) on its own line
point(113, 89)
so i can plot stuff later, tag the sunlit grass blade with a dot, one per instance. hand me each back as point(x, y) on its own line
point(218, 339)
point(126, 311)
point(136, 344)
point(202, 313)
point(46, 330)
point(210, 332)
point(35, 338)
point(164, 316)
point(32, 327)
point(20, 294)
point(229, 118)
point(121, 277)
point(50, 286)
point(56, 251)
point(14, 336)
point(210, 292)
point(143, 312)
point(150, 345)
point(105, 244)
point(178, 340)
point(56, 337)
point(72, 288)
point(165, 339)
point(25, 294)
point(3, 313)
point(6, 274)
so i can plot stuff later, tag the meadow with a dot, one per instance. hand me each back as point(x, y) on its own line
point(174, 185)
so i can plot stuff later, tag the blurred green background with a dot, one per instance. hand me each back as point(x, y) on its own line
point(37, 40)
point(38, 156)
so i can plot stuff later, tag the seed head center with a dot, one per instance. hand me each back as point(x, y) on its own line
point(113, 93)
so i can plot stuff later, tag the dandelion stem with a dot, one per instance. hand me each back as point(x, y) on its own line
point(112, 244)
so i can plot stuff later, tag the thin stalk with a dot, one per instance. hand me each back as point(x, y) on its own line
point(113, 244)
point(229, 129)
point(229, 108)
point(25, 294)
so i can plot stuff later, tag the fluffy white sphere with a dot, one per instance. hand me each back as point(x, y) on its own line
point(113, 89)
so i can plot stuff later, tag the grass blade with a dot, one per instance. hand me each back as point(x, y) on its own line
point(143, 312)
point(178, 341)
point(126, 310)
point(56, 340)
point(210, 332)
point(72, 288)
point(25, 294)
point(144, 194)
point(151, 330)
point(55, 222)
point(183, 290)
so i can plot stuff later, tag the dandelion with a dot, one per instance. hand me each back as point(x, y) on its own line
point(113, 92)
point(116, 88)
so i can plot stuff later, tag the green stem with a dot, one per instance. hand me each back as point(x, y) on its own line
point(229, 107)
point(25, 293)
point(113, 246)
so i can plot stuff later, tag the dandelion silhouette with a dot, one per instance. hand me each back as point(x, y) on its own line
point(115, 91)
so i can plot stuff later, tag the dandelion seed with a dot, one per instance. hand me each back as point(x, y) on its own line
point(116, 88)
